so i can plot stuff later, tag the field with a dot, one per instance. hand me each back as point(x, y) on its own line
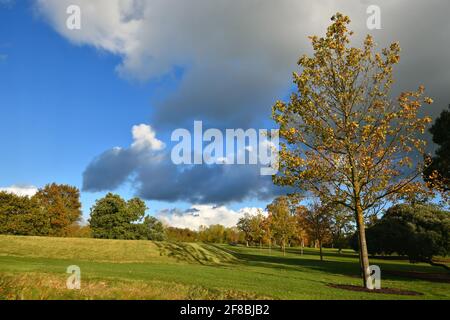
point(35, 268)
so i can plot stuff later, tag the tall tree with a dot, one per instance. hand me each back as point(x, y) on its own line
point(61, 206)
point(344, 139)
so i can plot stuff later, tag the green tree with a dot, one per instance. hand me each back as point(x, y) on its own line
point(343, 137)
point(114, 218)
point(420, 232)
point(244, 225)
point(60, 206)
point(212, 234)
point(152, 229)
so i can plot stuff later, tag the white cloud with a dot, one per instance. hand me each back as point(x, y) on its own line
point(204, 215)
point(239, 55)
point(145, 138)
point(22, 191)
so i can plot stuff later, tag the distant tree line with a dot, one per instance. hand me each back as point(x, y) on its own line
point(55, 210)
point(418, 230)
point(210, 234)
point(290, 224)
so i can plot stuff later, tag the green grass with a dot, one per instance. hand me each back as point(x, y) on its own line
point(34, 268)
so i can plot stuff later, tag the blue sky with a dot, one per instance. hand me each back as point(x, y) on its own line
point(63, 104)
point(68, 97)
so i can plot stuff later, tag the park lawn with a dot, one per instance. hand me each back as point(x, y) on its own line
point(34, 268)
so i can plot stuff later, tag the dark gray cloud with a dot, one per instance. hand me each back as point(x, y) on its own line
point(109, 170)
point(155, 177)
point(238, 56)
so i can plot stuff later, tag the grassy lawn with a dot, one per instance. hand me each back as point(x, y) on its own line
point(34, 268)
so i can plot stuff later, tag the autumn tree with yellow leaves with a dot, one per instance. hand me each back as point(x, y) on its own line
point(344, 139)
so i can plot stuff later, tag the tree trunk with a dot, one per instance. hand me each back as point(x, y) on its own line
point(303, 244)
point(320, 248)
point(363, 253)
point(246, 243)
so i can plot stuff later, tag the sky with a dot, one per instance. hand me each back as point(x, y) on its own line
point(95, 107)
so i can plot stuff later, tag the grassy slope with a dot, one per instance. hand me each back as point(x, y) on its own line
point(32, 267)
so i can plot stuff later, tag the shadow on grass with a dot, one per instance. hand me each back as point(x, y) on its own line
point(345, 267)
point(197, 253)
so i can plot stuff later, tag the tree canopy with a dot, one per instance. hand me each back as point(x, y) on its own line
point(114, 218)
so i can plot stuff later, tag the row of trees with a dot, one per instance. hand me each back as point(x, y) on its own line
point(212, 234)
point(55, 210)
point(291, 224)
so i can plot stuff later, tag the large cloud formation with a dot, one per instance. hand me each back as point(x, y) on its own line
point(149, 166)
point(237, 56)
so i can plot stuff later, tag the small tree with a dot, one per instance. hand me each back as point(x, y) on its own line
point(283, 221)
point(152, 229)
point(257, 228)
point(344, 139)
